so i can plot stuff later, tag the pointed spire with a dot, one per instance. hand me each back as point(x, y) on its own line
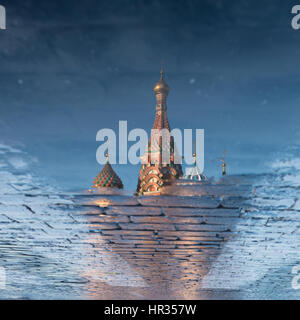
point(195, 154)
point(161, 71)
point(224, 163)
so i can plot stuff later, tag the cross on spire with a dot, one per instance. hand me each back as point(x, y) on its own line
point(161, 69)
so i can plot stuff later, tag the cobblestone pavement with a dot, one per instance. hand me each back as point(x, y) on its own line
point(235, 240)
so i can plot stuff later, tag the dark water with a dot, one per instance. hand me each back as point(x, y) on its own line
point(238, 239)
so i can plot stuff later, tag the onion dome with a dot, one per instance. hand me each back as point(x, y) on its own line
point(194, 172)
point(107, 178)
point(161, 86)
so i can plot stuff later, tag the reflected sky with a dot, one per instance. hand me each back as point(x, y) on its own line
point(69, 69)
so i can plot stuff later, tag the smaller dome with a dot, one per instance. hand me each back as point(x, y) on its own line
point(161, 86)
point(107, 178)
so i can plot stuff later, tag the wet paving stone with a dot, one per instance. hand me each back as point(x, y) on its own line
point(134, 211)
point(237, 240)
point(179, 201)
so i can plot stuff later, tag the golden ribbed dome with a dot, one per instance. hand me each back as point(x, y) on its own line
point(161, 86)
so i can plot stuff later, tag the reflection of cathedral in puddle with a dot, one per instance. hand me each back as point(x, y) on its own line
point(151, 251)
point(137, 263)
point(160, 163)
